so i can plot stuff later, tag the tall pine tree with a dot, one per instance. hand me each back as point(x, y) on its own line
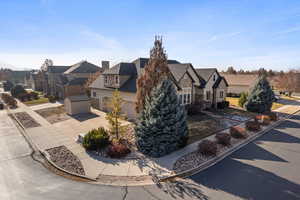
point(261, 97)
point(162, 126)
point(155, 70)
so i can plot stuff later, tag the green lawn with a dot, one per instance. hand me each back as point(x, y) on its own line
point(41, 100)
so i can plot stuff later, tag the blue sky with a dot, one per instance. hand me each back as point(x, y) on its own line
point(246, 34)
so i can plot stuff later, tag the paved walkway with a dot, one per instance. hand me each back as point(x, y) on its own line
point(65, 133)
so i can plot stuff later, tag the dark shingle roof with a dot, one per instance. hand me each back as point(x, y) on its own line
point(78, 98)
point(58, 69)
point(77, 81)
point(178, 70)
point(83, 67)
point(218, 81)
point(122, 69)
point(205, 73)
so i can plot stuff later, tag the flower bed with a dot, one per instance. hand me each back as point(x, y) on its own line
point(198, 157)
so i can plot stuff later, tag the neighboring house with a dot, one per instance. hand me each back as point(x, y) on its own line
point(35, 81)
point(238, 83)
point(215, 89)
point(123, 76)
point(64, 81)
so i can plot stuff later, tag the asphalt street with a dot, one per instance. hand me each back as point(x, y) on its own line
point(268, 168)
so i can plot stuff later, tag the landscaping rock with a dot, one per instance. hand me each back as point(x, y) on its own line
point(65, 159)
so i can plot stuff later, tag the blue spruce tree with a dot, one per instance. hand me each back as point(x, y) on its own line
point(162, 126)
point(261, 97)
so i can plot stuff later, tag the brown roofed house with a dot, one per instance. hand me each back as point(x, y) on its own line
point(238, 83)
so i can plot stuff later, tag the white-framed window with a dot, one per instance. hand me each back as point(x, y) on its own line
point(221, 94)
point(106, 79)
point(117, 79)
point(214, 77)
point(185, 96)
point(94, 94)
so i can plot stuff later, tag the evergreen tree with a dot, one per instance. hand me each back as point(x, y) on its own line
point(162, 126)
point(261, 97)
point(243, 99)
point(115, 116)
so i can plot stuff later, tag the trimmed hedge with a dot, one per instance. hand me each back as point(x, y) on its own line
point(238, 132)
point(208, 148)
point(223, 104)
point(96, 139)
point(253, 126)
point(223, 138)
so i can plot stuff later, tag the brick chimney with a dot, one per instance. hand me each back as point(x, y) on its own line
point(105, 65)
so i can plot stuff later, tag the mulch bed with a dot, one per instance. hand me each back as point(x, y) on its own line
point(26, 120)
point(65, 159)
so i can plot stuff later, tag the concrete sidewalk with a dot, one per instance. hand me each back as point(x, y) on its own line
point(65, 133)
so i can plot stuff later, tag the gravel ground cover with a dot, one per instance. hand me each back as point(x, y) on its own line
point(203, 125)
point(26, 120)
point(194, 159)
point(65, 159)
point(54, 114)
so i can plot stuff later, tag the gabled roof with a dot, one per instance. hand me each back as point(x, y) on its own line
point(58, 69)
point(178, 70)
point(122, 69)
point(83, 67)
point(218, 81)
point(240, 79)
point(205, 73)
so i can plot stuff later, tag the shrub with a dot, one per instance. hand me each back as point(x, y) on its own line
point(266, 120)
point(118, 150)
point(34, 95)
point(208, 148)
point(52, 99)
point(9, 100)
point(96, 139)
point(223, 138)
point(273, 116)
point(243, 99)
point(252, 126)
point(238, 132)
point(17, 90)
point(193, 109)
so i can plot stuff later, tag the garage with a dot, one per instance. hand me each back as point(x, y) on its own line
point(77, 104)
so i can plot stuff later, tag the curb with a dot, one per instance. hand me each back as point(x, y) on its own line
point(45, 155)
point(217, 159)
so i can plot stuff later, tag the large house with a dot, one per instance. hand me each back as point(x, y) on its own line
point(191, 87)
point(64, 81)
point(238, 83)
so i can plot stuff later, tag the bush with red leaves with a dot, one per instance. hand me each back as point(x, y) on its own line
point(223, 138)
point(252, 126)
point(208, 148)
point(238, 132)
point(118, 150)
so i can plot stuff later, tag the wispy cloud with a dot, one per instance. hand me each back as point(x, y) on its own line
point(101, 40)
point(223, 36)
point(290, 30)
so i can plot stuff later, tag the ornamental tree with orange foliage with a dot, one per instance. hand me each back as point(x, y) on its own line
point(154, 72)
